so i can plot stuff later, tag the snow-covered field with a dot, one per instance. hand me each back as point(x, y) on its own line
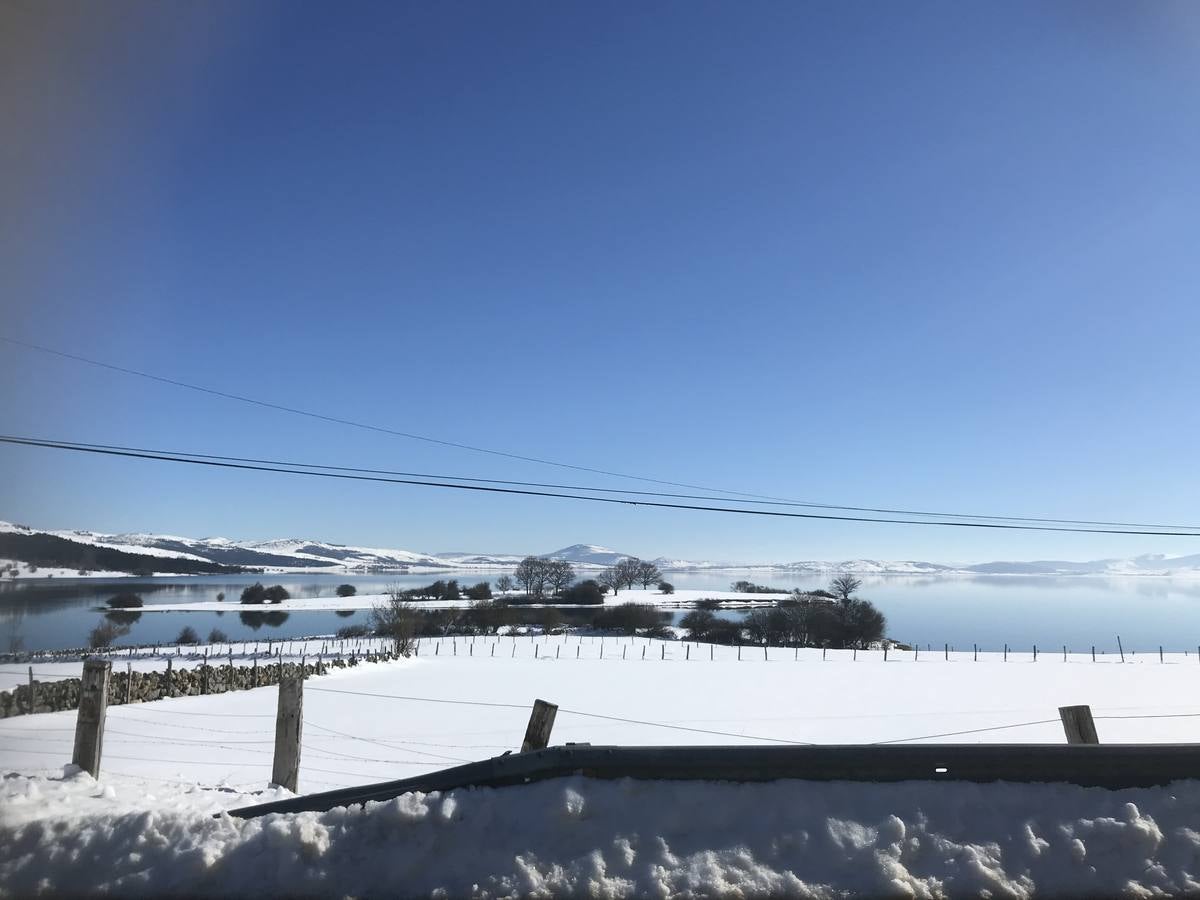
point(169, 764)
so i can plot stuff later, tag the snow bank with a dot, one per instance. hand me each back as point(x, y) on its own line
point(627, 838)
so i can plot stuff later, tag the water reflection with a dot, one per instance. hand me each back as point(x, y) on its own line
point(123, 616)
point(256, 619)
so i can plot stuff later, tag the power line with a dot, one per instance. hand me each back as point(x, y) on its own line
point(625, 491)
point(279, 407)
point(748, 737)
point(925, 737)
point(765, 498)
point(218, 463)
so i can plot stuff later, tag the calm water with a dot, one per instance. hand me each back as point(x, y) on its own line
point(990, 611)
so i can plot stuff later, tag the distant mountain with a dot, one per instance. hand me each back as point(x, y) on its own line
point(300, 554)
point(589, 555)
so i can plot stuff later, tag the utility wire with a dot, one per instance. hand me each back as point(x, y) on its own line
point(363, 425)
point(624, 491)
point(131, 453)
point(925, 737)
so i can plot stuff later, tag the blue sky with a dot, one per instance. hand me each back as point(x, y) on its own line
point(927, 255)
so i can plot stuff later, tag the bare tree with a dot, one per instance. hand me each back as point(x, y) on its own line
point(505, 583)
point(844, 586)
point(611, 579)
point(396, 618)
point(627, 571)
point(559, 574)
point(647, 574)
point(531, 575)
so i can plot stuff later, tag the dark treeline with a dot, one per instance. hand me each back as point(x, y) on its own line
point(827, 618)
point(51, 551)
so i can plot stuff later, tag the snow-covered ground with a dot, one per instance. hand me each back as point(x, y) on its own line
point(574, 836)
point(169, 764)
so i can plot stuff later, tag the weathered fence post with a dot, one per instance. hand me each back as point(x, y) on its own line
point(204, 674)
point(1120, 648)
point(976, 652)
point(541, 720)
point(128, 681)
point(884, 651)
point(1006, 652)
point(1078, 724)
point(93, 704)
point(285, 771)
point(32, 693)
point(1160, 653)
point(946, 651)
point(1035, 652)
point(170, 680)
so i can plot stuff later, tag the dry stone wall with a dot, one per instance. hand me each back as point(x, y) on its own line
point(141, 687)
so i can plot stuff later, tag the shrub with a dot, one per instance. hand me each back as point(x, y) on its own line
point(124, 601)
point(486, 616)
point(221, 597)
point(276, 593)
point(481, 591)
point(346, 590)
point(629, 617)
point(104, 634)
point(699, 623)
point(552, 619)
point(396, 619)
point(708, 603)
point(353, 631)
point(586, 592)
point(187, 635)
point(660, 632)
point(256, 593)
point(217, 636)
point(666, 587)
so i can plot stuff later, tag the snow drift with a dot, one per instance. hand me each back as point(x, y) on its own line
point(575, 836)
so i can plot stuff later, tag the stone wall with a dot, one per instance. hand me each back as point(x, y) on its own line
point(141, 687)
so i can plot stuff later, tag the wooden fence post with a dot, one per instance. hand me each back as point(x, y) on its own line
point(128, 681)
point(170, 680)
point(1078, 724)
point(285, 771)
point(1120, 648)
point(93, 704)
point(541, 720)
point(204, 673)
point(32, 693)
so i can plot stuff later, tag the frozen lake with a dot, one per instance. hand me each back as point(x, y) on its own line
point(988, 610)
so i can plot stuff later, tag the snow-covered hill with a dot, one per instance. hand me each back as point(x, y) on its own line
point(300, 554)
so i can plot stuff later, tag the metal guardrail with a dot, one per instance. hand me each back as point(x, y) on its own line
point(1110, 766)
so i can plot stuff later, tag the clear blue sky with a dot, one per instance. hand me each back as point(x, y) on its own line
point(936, 255)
